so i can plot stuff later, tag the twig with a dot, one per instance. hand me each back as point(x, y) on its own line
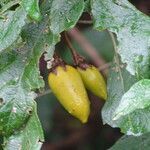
point(105, 66)
point(73, 51)
point(88, 48)
point(85, 22)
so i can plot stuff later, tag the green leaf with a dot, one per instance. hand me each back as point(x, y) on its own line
point(8, 6)
point(137, 97)
point(29, 137)
point(32, 9)
point(16, 102)
point(10, 27)
point(4, 2)
point(132, 29)
point(132, 142)
point(19, 75)
point(64, 14)
point(87, 7)
point(119, 82)
point(50, 49)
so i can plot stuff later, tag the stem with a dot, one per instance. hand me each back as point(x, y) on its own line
point(85, 22)
point(75, 55)
point(57, 62)
point(9, 5)
point(88, 48)
point(105, 66)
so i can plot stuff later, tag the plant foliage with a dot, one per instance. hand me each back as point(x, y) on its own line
point(28, 28)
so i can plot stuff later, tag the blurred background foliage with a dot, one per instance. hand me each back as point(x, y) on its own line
point(61, 130)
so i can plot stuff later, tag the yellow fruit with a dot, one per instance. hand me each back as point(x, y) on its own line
point(94, 81)
point(69, 89)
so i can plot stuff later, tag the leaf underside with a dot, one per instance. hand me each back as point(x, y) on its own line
point(132, 29)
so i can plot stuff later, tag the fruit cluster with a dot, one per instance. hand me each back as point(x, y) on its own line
point(68, 84)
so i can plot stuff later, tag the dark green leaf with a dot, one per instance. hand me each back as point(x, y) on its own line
point(87, 6)
point(132, 143)
point(29, 137)
point(119, 82)
point(64, 14)
point(138, 97)
point(32, 9)
point(132, 29)
point(19, 74)
point(4, 2)
point(10, 27)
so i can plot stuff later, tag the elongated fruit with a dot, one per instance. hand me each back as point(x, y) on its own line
point(67, 85)
point(94, 81)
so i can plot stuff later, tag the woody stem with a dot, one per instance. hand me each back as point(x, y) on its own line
point(72, 49)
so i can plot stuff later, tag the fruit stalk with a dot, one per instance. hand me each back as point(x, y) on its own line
point(77, 58)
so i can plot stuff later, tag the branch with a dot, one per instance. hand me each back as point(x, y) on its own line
point(72, 49)
point(105, 66)
point(89, 22)
point(88, 48)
